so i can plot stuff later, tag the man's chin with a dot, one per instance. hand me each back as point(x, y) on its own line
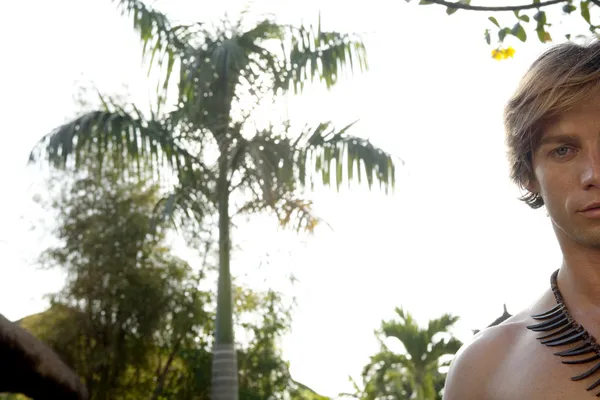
point(590, 238)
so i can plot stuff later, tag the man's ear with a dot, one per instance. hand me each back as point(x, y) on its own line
point(533, 186)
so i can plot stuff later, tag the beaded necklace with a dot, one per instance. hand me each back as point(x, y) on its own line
point(564, 330)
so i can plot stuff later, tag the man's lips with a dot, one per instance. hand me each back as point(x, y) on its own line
point(591, 210)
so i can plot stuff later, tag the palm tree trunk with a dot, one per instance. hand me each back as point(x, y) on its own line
point(420, 388)
point(224, 363)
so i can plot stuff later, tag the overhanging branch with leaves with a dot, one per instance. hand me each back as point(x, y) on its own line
point(538, 19)
point(466, 5)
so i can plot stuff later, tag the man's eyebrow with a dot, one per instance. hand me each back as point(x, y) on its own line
point(564, 138)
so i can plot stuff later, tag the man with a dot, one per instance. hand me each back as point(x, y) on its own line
point(548, 351)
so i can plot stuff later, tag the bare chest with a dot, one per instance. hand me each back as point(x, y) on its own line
point(531, 371)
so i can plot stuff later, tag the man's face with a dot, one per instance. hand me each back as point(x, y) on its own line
point(566, 166)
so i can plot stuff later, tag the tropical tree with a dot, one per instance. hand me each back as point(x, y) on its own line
point(414, 373)
point(131, 319)
point(127, 302)
point(536, 16)
point(207, 139)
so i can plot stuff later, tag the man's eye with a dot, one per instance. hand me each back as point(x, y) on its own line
point(562, 151)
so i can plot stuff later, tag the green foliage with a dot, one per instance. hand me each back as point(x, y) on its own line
point(222, 73)
point(220, 69)
point(128, 305)
point(533, 14)
point(414, 374)
point(131, 320)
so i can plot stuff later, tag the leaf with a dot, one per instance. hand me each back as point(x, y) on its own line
point(524, 18)
point(451, 10)
point(188, 202)
point(321, 55)
point(543, 36)
point(488, 39)
point(569, 8)
point(502, 33)
point(540, 16)
point(494, 21)
point(585, 11)
point(519, 32)
point(323, 145)
point(157, 35)
point(423, 2)
point(129, 135)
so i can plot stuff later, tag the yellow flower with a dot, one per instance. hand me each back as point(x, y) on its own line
point(503, 54)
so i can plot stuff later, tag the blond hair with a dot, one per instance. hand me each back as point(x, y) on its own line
point(559, 79)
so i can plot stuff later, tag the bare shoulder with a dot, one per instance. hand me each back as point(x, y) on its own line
point(475, 368)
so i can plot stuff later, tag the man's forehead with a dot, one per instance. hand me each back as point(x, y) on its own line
point(560, 126)
point(574, 122)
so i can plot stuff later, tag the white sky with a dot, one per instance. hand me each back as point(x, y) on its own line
point(453, 238)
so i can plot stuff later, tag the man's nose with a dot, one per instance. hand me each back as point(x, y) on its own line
point(590, 176)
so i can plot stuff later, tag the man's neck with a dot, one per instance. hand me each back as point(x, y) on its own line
point(579, 278)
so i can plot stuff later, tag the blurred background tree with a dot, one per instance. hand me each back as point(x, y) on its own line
point(209, 143)
point(417, 371)
point(131, 319)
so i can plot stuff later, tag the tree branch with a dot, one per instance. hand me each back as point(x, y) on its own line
point(462, 6)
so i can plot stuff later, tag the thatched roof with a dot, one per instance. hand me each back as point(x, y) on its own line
point(30, 367)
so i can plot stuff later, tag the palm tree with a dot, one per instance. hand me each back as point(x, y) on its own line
point(416, 373)
point(208, 141)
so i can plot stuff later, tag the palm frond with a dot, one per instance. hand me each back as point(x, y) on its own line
point(296, 213)
point(315, 54)
point(442, 348)
point(407, 331)
point(388, 358)
point(128, 136)
point(182, 206)
point(349, 155)
point(265, 30)
point(191, 200)
point(401, 376)
point(301, 391)
point(406, 318)
point(162, 41)
point(266, 70)
point(441, 325)
point(291, 212)
point(209, 76)
point(268, 161)
point(279, 166)
point(213, 72)
point(388, 374)
point(267, 166)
